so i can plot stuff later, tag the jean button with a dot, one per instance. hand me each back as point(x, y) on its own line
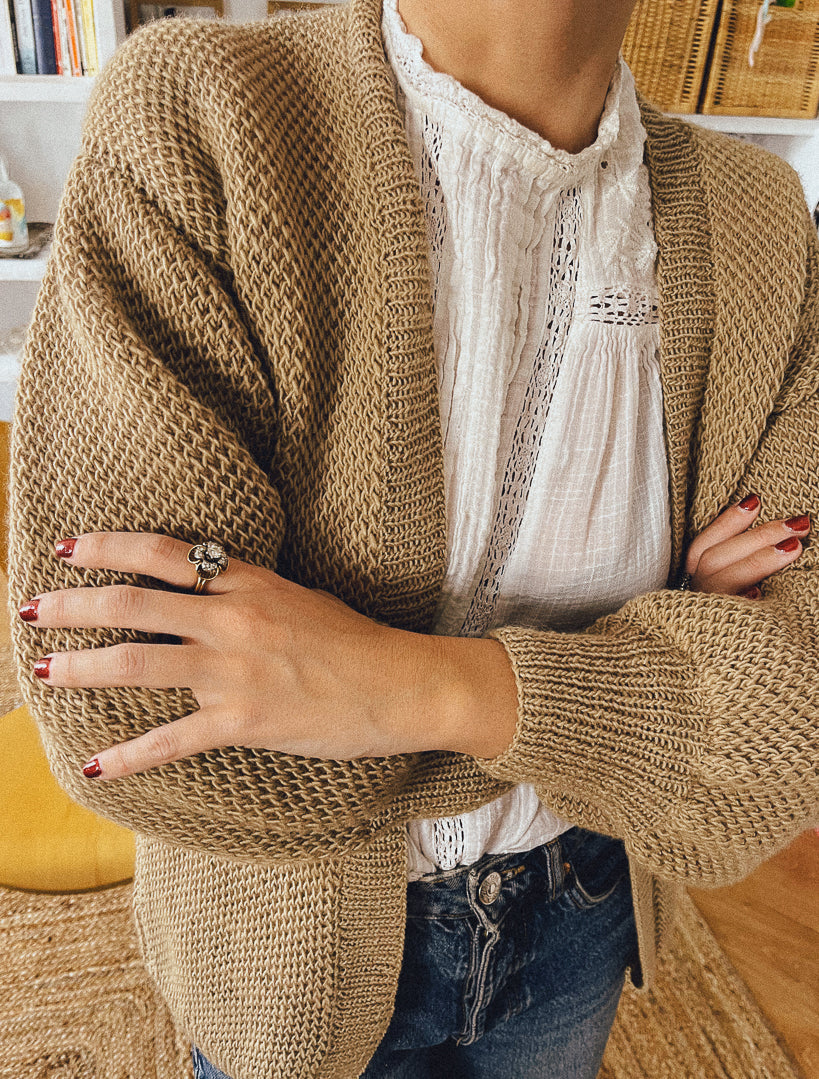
point(489, 889)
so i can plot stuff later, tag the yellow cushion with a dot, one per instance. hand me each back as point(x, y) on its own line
point(48, 843)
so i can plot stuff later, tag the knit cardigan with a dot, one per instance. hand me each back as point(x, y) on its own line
point(233, 340)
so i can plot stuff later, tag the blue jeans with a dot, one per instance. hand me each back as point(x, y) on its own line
point(513, 967)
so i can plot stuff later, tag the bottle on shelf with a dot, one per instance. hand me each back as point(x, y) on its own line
point(13, 227)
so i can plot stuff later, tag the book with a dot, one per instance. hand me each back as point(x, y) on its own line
point(8, 58)
point(80, 30)
point(89, 37)
point(73, 38)
point(44, 37)
point(25, 37)
point(60, 45)
point(62, 25)
point(109, 29)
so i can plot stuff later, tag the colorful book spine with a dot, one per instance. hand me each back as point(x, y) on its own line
point(90, 36)
point(8, 58)
point(60, 54)
point(73, 38)
point(109, 29)
point(44, 37)
point(78, 26)
point(25, 37)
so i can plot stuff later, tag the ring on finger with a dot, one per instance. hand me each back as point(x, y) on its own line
point(210, 559)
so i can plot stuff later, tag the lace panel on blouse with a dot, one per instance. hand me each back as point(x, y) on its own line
point(531, 423)
point(433, 196)
point(624, 308)
point(449, 841)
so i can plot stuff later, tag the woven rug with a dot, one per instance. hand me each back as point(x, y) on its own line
point(76, 1003)
point(698, 1022)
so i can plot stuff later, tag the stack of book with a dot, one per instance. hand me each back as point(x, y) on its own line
point(48, 37)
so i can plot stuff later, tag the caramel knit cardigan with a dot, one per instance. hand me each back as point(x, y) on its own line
point(233, 340)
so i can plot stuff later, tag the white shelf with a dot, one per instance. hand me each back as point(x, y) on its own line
point(59, 89)
point(754, 125)
point(12, 269)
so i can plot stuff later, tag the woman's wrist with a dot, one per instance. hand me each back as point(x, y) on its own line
point(472, 695)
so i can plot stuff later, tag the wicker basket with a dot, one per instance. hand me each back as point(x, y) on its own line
point(276, 7)
point(666, 47)
point(784, 80)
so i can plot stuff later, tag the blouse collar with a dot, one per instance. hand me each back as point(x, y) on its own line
point(443, 99)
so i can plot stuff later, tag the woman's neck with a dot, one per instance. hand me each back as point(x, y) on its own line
point(546, 63)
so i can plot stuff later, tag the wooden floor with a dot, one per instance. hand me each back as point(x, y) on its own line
point(768, 925)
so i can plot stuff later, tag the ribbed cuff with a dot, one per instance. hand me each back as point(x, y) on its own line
point(602, 717)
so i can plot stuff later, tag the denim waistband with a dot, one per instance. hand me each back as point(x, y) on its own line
point(489, 883)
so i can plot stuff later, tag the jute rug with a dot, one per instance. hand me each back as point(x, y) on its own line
point(698, 1022)
point(76, 1003)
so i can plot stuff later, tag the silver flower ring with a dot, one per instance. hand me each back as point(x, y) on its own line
point(210, 559)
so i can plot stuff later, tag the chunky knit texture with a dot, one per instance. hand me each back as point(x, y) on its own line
point(233, 339)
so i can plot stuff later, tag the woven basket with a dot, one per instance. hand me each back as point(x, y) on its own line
point(666, 47)
point(275, 7)
point(784, 80)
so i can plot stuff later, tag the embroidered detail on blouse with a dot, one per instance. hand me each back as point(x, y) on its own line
point(624, 308)
point(433, 196)
point(531, 423)
point(448, 837)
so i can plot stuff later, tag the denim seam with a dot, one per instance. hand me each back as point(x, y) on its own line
point(480, 986)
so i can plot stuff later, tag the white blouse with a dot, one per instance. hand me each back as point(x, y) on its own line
point(547, 342)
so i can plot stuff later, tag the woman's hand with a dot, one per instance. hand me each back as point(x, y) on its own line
point(272, 665)
point(732, 558)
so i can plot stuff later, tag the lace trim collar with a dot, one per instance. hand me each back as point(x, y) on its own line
point(437, 92)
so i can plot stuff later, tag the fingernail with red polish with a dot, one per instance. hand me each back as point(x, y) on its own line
point(787, 546)
point(749, 503)
point(65, 547)
point(28, 612)
point(798, 524)
point(92, 770)
point(751, 593)
point(41, 667)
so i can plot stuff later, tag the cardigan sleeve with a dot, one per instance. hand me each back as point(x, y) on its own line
point(686, 723)
point(150, 400)
point(145, 405)
point(141, 403)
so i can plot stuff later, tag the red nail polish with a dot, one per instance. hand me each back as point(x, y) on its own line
point(41, 667)
point(752, 593)
point(92, 769)
point(787, 546)
point(749, 503)
point(28, 612)
point(65, 547)
point(798, 524)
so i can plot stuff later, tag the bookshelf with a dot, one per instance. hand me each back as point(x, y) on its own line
point(40, 123)
point(13, 270)
point(53, 88)
point(757, 125)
